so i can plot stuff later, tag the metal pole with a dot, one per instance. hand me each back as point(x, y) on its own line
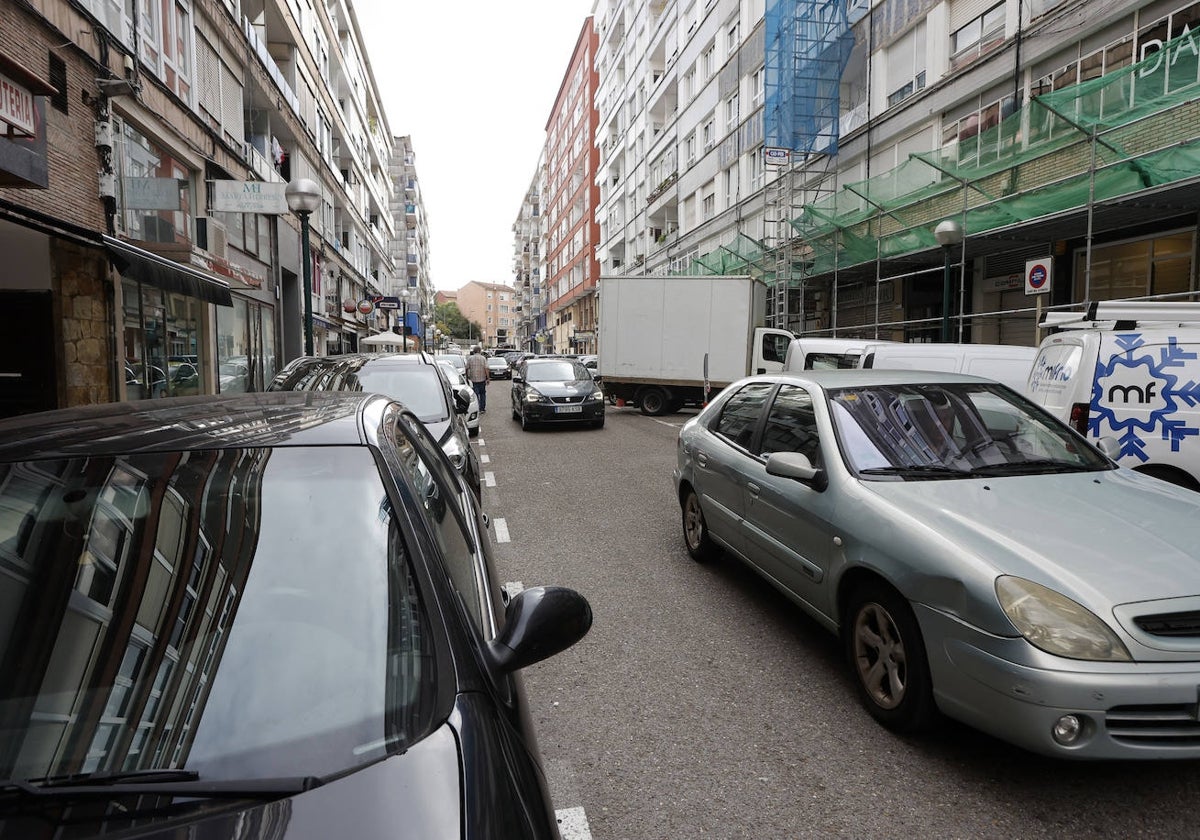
point(946, 296)
point(404, 323)
point(306, 258)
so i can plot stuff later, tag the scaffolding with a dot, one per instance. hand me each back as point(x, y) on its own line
point(1133, 131)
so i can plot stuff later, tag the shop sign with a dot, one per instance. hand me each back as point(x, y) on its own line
point(365, 306)
point(249, 197)
point(16, 106)
point(151, 193)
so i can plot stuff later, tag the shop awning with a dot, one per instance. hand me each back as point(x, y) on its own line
point(168, 275)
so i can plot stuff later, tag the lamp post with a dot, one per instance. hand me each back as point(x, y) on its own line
point(303, 197)
point(948, 234)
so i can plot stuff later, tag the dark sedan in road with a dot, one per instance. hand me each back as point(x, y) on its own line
point(265, 615)
point(556, 390)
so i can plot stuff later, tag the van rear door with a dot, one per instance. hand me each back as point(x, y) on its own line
point(1059, 378)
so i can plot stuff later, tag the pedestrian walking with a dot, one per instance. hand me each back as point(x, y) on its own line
point(477, 373)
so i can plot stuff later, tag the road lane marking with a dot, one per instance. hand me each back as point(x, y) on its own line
point(573, 824)
point(672, 425)
point(489, 478)
point(500, 529)
point(485, 458)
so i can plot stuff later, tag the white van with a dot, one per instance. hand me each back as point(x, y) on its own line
point(827, 353)
point(1008, 364)
point(1130, 371)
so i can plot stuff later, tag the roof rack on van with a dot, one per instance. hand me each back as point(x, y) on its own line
point(1123, 314)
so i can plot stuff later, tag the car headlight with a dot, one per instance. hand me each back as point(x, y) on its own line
point(1054, 623)
point(533, 396)
point(454, 450)
point(598, 395)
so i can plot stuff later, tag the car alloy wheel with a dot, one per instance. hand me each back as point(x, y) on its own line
point(887, 654)
point(695, 532)
point(526, 423)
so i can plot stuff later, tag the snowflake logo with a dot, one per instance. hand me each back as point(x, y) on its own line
point(1136, 393)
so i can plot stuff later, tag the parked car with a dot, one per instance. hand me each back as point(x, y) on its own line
point(458, 360)
point(410, 378)
point(260, 610)
point(976, 555)
point(498, 368)
point(1008, 364)
point(459, 384)
point(553, 390)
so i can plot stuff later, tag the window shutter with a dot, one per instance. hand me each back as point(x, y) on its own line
point(963, 12)
point(231, 103)
point(208, 77)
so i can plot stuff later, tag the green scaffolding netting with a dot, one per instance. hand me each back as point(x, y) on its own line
point(1137, 126)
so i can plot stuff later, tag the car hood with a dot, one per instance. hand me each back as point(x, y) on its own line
point(577, 387)
point(1105, 538)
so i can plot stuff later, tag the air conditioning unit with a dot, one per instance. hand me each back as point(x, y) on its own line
point(211, 236)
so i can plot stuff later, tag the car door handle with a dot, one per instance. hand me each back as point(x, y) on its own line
point(701, 458)
point(753, 488)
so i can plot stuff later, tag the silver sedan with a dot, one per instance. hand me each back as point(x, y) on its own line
point(977, 557)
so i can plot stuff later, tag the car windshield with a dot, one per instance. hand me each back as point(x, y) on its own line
point(242, 613)
point(417, 386)
point(935, 431)
point(556, 372)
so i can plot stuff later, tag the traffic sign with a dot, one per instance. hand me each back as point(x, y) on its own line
point(1037, 276)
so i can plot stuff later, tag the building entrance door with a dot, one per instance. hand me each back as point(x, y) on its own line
point(27, 372)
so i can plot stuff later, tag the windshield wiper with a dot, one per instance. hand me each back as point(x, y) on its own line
point(1036, 465)
point(917, 470)
point(158, 783)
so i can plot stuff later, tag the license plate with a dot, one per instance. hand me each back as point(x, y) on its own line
point(569, 409)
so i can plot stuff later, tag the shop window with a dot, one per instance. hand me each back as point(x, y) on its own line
point(1157, 266)
point(162, 337)
point(154, 190)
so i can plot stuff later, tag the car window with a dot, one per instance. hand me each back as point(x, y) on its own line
point(436, 489)
point(791, 425)
point(417, 386)
point(242, 612)
point(556, 372)
point(775, 347)
point(739, 416)
point(830, 361)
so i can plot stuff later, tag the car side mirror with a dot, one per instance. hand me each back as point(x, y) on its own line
point(462, 399)
point(1109, 447)
point(796, 465)
point(516, 377)
point(539, 622)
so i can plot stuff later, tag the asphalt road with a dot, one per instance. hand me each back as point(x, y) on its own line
point(703, 704)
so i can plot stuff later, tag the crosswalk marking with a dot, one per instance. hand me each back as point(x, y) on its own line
point(500, 528)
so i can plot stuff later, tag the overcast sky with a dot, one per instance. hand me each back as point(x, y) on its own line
point(472, 82)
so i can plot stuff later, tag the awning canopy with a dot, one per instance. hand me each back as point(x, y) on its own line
point(168, 275)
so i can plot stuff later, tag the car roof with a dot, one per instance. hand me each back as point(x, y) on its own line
point(277, 418)
point(857, 377)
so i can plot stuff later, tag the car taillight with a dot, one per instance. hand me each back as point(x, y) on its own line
point(1079, 418)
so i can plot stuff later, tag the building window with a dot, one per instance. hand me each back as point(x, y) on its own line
point(906, 65)
point(708, 62)
point(708, 207)
point(689, 149)
point(732, 39)
point(708, 133)
point(756, 87)
point(977, 37)
point(153, 193)
point(731, 112)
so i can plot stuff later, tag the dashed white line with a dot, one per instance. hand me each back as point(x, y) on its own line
point(489, 478)
point(573, 824)
point(666, 423)
point(500, 529)
point(484, 458)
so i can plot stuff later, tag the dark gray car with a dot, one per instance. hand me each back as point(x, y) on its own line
point(410, 378)
point(555, 390)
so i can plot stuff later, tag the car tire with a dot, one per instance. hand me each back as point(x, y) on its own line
point(526, 423)
point(599, 424)
point(473, 432)
point(695, 530)
point(888, 659)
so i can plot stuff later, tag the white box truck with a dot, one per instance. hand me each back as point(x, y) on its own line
point(663, 339)
point(1129, 371)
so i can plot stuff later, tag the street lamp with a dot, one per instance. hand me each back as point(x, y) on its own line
point(948, 234)
point(303, 198)
point(404, 295)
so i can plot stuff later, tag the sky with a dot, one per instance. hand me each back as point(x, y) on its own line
point(472, 82)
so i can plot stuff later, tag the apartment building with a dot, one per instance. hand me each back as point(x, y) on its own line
point(571, 267)
point(819, 146)
point(144, 159)
point(493, 306)
point(529, 244)
point(410, 246)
